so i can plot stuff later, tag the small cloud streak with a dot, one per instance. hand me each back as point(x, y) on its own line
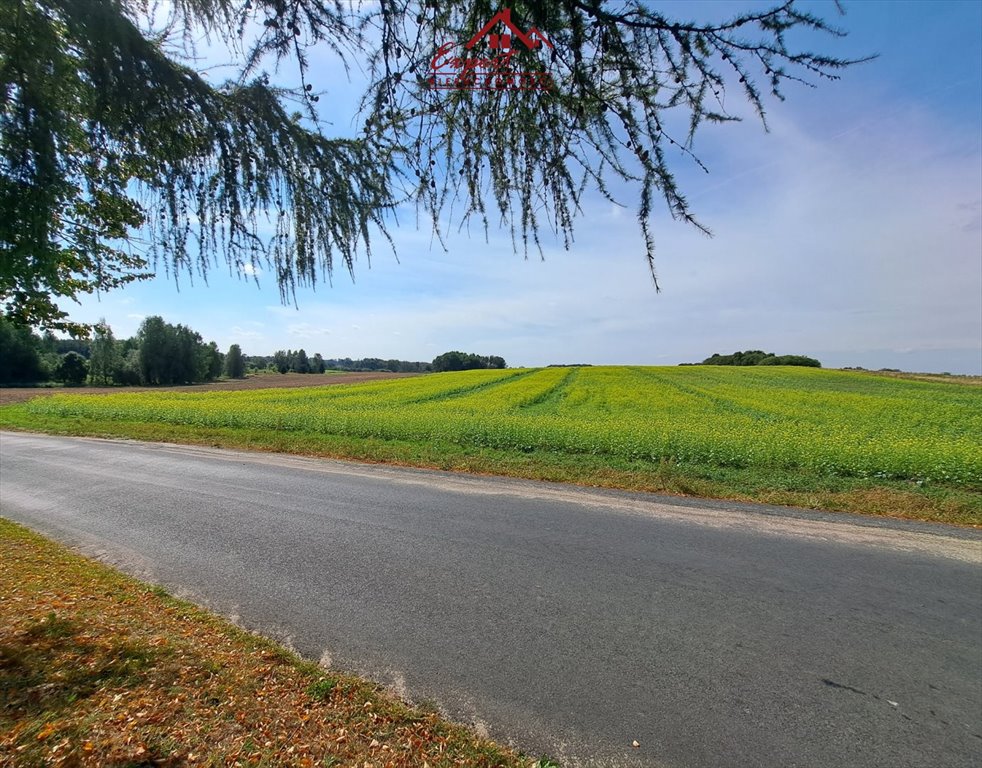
point(306, 331)
point(243, 335)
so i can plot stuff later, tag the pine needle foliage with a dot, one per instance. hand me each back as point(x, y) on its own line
point(118, 157)
point(630, 86)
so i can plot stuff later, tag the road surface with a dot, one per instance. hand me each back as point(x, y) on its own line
point(568, 622)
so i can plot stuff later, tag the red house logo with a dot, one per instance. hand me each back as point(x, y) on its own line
point(496, 71)
point(502, 41)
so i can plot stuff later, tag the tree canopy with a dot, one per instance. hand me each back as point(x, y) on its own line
point(235, 363)
point(466, 361)
point(759, 357)
point(118, 158)
point(175, 354)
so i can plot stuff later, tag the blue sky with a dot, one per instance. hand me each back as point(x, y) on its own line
point(851, 232)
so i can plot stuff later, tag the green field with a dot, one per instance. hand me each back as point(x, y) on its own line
point(789, 435)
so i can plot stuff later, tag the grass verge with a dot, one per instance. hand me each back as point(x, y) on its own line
point(934, 502)
point(98, 669)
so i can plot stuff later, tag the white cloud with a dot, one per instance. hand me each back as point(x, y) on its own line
point(242, 335)
point(306, 331)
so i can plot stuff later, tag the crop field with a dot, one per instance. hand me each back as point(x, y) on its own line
point(834, 422)
point(821, 423)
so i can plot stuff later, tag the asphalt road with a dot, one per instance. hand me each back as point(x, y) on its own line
point(566, 621)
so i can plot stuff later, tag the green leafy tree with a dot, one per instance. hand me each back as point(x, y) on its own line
point(104, 355)
point(449, 361)
point(49, 343)
point(280, 361)
point(128, 371)
point(175, 354)
point(234, 362)
point(188, 363)
point(116, 155)
point(213, 361)
point(72, 369)
point(462, 361)
point(20, 358)
point(156, 351)
point(302, 364)
point(759, 357)
point(803, 360)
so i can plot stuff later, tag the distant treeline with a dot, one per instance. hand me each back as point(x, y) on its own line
point(757, 357)
point(289, 361)
point(298, 361)
point(163, 354)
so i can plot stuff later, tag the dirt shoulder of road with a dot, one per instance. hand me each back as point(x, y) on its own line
point(99, 669)
point(9, 395)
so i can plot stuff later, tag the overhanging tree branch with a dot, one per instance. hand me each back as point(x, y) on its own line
point(104, 133)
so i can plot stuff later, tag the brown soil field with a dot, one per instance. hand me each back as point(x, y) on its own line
point(262, 381)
